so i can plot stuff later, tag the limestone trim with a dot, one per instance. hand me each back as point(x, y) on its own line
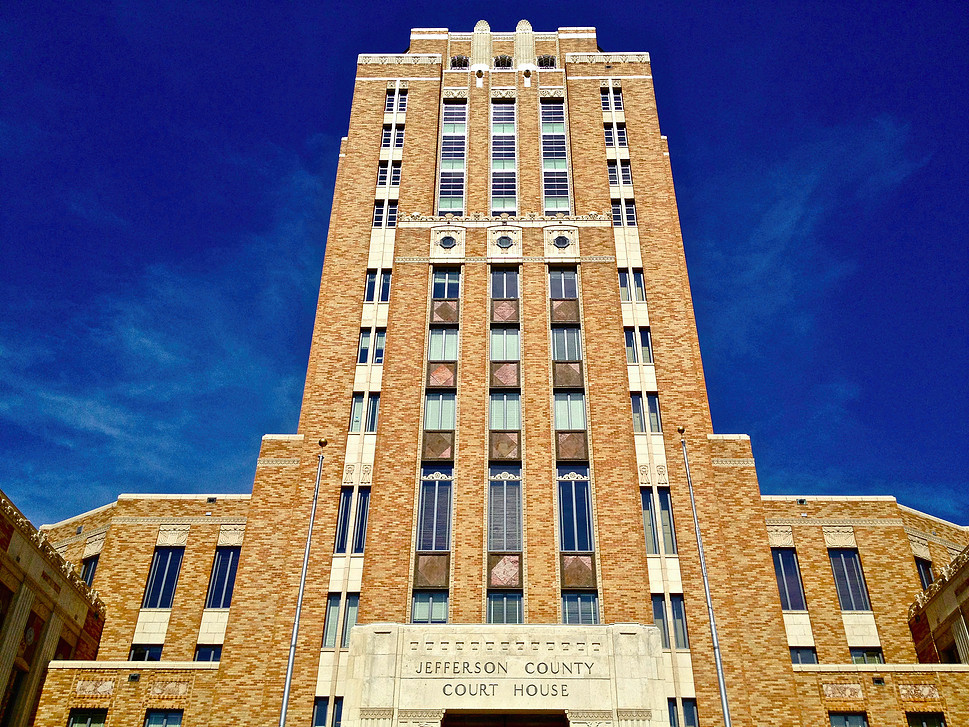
point(377, 713)
point(198, 520)
point(285, 437)
point(51, 526)
point(848, 668)
point(134, 665)
point(478, 219)
point(277, 462)
point(733, 461)
point(918, 692)
point(174, 535)
point(551, 93)
point(920, 546)
point(97, 688)
point(843, 692)
point(839, 536)
point(607, 57)
point(231, 535)
point(455, 93)
point(780, 536)
point(854, 522)
point(634, 714)
point(84, 535)
point(940, 582)
point(94, 543)
point(530, 259)
point(929, 537)
point(932, 517)
point(399, 59)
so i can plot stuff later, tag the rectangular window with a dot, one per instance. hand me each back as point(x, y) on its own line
point(632, 345)
point(402, 100)
point(625, 171)
point(674, 713)
point(631, 286)
point(919, 719)
point(145, 652)
point(385, 286)
point(680, 638)
point(621, 135)
point(360, 519)
point(87, 718)
point(504, 607)
point(849, 579)
point(666, 520)
point(378, 213)
point(163, 577)
point(429, 607)
point(320, 707)
point(660, 619)
point(338, 712)
point(504, 509)
point(575, 509)
point(606, 104)
point(505, 412)
point(610, 134)
point(612, 167)
point(382, 174)
point(446, 284)
point(363, 350)
point(652, 408)
point(616, 213)
point(208, 652)
point(390, 102)
point(392, 213)
point(924, 568)
point(395, 174)
point(804, 655)
point(788, 579)
point(505, 344)
point(386, 137)
point(343, 520)
point(439, 411)
point(163, 718)
point(379, 340)
point(443, 345)
point(566, 343)
point(88, 568)
point(453, 153)
point(645, 346)
point(623, 212)
point(349, 618)
point(356, 413)
point(555, 175)
point(581, 609)
point(504, 283)
point(563, 284)
point(503, 172)
point(649, 521)
point(398, 137)
point(332, 620)
point(373, 410)
point(434, 513)
point(223, 577)
point(639, 414)
point(848, 719)
point(370, 291)
point(690, 716)
point(867, 655)
point(569, 411)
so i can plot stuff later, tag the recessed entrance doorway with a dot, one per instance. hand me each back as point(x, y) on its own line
point(459, 719)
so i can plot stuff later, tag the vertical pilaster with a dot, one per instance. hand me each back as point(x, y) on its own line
point(13, 629)
point(22, 709)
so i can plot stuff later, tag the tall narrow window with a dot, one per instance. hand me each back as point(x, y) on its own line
point(639, 414)
point(660, 619)
point(563, 284)
point(649, 521)
point(378, 213)
point(690, 716)
point(503, 175)
point(625, 171)
point(621, 135)
point(566, 343)
point(581, 609)
point(611, 99)
point(387, 137)
point(392, 213)
point(439, 411)
point(453, 154)
point(632, 345)
point(434, 512)
point(504, 509)
point(320, 707)
point(645, 346)
point(504, 283)
point(88, 567)
point(788, 579)
point(610, 134)
point(555, 174)
point(505, 345)
point(356, 413)
point(390, 102)
point(849, 579)
point(924, 568)
point(673, 710)
point(575, 509)
point(680, 638)
point(652, 407)
point(612, 167)
point(505, 411)
point(363, 350)
point(385, 286)
point(395, 174)
point(446, 284)
point(631, 286)
point(349, 618)
point(630, 205)
point(402, 100)
point(382, 174)
point(338, 712)
point(379, 340)
point(331, 621)
point(666, 520)
point(398, 137)
point(504, 607)
point(163, 577)
point(343, 520)
point(429, 607)
point(443, 345)
point(223, 577)
point(360, 519)
point(569, 410)
point(373, 410)
point(370, 289)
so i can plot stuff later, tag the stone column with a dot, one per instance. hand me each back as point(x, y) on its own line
point(22, 710)
point(13, 631)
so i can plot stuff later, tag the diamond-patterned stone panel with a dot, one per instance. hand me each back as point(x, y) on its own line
point(442, 374)
point(565, 311)
point(571, 446)
point(444, 311)
point(504, 311)
point(505, 445)
point(505, 374)
point(504, 570)
point(431, 570)
point(578, 571)
point(567, 374)
point(438, 445)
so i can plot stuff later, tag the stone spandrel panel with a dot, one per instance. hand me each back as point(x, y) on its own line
point(396, 670)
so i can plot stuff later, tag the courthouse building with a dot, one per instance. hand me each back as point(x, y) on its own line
point(522, 514)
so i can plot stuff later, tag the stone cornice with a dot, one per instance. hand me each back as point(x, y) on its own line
point(532, 219)
point(607, 58)
point(400, 59)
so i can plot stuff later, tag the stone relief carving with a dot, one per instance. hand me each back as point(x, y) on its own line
point(918, 692)
point(94, 688)
point(661, 477)
point(733, 461)
point(551, 93)
point(920, 547)
point(455, 93)
point(367, 473)
point(168, 689)
point(502, 93)
point(780, 536)
point(231, 535)
point(377, 713)
point(607, 58)
point(348, 473)
point(634, 714)
point(400, 59)
point(172, 535)
point(847, 692)
point(839, 536)
point(644, 474)
point(277, 462)
point(94, 545)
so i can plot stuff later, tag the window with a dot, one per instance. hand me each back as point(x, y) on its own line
point(378, 213)
point(867, 655)
point(374, 292)
point(639, 414)
point(363, 350)
point(680, 638)
point(356, 413)
point(332, 620)
point(320, 707)
point(504, 283)
point(652, 409)
point(676, 626)
point(446, 284)
point(459, 61)
point(163, 718)
point(788, 579)
point(849, 579)
point(922, 719)
point(434, 512)
point(396, 100)
point(546, 61)
point(645, 346)
point(649, 520)
point(569, 411)
point(848, 719)
point(429, 607)
point(504, 510)
point(504, 607)
point(566, 343)
point(615, 135)
point(453, 146)
point(391, 101)
point(666, 520)
point(388, 175)
point(88, 567)
point(611, 99)
point(660, 619)
point(503, 172)
point(613, 168)
point(223, 577)
point(630, 205)
point(563, 284)
point(379, 341)
point(145, 652)
point(632, 347)
point(369, 291)
point(804, 655)
point(373, 409)
point(631, 286)
point(690, 716)
point(580, 608)
point(360, 519)
point(575, 509)
point(555, 175)
point(343, 520)
point(385, 286)
point(349, 618)
point(387, 137)
point(505, 344)
point(385, 213)
point(392, 213)
point(505, 411)
point(924, 568)
point(674, 712)
point(439, 411)
point(208, 652)
point(399, 137)
point(625, 171)
point(443, 345)
point(639, 347)
point(87, 718)
point(165, 565)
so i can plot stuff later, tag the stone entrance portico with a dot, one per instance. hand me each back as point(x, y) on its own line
point(412, 674)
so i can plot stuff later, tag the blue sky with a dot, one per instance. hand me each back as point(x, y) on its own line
point(166, 171)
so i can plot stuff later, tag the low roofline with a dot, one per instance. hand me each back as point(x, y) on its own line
point(831, 498)
point(142, 496)
point(51, 526)
point(932, 517)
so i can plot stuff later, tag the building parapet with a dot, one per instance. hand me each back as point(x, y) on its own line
point(945, 575)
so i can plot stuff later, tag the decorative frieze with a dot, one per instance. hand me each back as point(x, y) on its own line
point(169, 689)
point(610, 58)
point(821, 522)
point(94, 544)
point(920, 547)
point(502, 93)
point(455, 93)
point(551, 93)
point(399, 59)
point(173, 535)
point(733, 461)
point(94, 687)
point(918, 692)
point(839, 536)
point(843, 692)
point(780, 536)
point(277, 462)
point(231, 535)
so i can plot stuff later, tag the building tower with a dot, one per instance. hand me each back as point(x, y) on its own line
point(503, 359)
